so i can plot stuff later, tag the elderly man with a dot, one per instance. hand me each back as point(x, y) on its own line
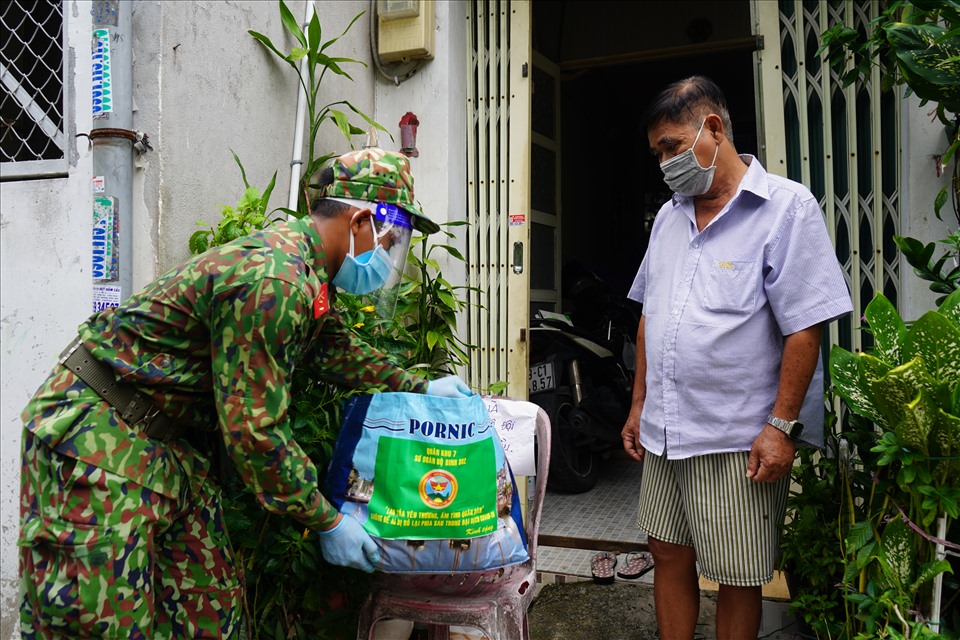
point(738, 279)
point(121, 523)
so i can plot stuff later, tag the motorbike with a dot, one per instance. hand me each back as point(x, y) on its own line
point(581, 373)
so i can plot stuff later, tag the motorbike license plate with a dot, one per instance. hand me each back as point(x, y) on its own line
point(542, 378)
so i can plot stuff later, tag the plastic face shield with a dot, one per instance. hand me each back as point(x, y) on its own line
point(394, 232)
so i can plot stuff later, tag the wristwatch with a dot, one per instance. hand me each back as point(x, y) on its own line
point(793, 428)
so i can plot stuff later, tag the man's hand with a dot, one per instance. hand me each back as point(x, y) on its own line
point(347, 544)
point(631, 434)
point(771, 455)
point(449, 387)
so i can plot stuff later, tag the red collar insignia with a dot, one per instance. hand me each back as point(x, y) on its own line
point(321, 304)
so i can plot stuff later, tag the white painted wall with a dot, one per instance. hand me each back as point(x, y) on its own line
point(45, 288)
point(204, 86)
point(923, 139)
point(437, 94)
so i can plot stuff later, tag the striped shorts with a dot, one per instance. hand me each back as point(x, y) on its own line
point(707, 502)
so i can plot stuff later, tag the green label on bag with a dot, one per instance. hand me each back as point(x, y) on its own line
point(435, 491)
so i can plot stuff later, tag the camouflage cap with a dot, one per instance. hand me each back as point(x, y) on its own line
point(377, 176)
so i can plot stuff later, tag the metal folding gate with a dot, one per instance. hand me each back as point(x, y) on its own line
point(843, 143)
point(498, 175)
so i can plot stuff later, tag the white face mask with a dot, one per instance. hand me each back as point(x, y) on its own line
point(683, 173)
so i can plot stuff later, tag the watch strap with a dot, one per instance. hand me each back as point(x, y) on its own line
point(793, 428)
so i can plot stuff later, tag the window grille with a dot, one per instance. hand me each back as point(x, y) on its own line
point(32, 141)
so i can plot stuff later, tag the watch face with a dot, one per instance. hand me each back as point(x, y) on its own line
point(796, 429)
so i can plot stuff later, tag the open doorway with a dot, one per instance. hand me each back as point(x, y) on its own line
point(595, 187)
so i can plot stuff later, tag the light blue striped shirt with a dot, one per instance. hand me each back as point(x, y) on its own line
point(717, 304)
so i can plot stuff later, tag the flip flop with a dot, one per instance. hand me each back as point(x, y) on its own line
point(602, 565)
point(637, 564)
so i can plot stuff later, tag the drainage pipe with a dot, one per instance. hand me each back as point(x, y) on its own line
point(296, 163)
point(113, 143)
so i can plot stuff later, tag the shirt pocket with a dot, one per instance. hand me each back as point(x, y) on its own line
point(731, 286)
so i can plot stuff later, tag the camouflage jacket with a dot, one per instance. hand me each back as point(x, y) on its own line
point(215, 341)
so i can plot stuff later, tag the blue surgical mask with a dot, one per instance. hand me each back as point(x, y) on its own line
point(684, 175)
point(364, 273)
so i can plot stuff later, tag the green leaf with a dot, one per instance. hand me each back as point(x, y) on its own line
point(851, 385)
point(448, 300)
point(314, 35)
point(896, 543)
point(945, 433)
point(265, 41)
point(899, 387)
point(297, 53)
point(199, 241)
point(889, 330)
point(368, 119)
point(940, 201)
point(937, 340)
point(331, 41)
point(950, 308)
point(452, 251)
point(330, 64)
point(243, 173)
point(342, 123)
point(928, 572)
point(918, 421)
point(291, 24)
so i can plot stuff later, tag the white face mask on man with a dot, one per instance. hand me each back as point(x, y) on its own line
point(683, 173)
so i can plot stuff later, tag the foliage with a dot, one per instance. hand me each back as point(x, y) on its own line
point(312, 49)
point(918, 43)
point(249, 215)
point(811, 553)
point(885, 479)
point(944, 273)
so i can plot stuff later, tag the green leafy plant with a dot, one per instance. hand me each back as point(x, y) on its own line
point(249, 215)
point(942, 273)
point(889, 470)
point(908, 392)
point(313, 47)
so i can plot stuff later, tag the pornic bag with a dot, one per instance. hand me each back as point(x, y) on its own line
point(427, 478)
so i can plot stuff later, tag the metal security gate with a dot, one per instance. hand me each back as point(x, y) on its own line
point(842, 143)
point(498, 192)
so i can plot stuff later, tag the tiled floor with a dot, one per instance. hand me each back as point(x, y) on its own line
point(607, 512)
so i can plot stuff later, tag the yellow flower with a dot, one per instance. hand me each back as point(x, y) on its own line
point(368, 309)
point(358, 325)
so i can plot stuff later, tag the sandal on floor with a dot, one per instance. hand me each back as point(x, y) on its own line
point(637, 564)
point(602, 566)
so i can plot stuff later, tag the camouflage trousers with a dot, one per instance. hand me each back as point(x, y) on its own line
point(102, 556)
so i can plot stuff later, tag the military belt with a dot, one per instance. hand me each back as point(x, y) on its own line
point(134, 408)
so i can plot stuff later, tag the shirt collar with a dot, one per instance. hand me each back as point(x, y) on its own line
point(754, 181)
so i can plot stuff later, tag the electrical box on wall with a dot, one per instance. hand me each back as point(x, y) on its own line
point(405, 30)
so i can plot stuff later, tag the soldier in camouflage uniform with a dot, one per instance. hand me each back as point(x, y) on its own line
point(122, 531)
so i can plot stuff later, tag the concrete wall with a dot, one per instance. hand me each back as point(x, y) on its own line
point(923, 140)
point(204, 86)
point(45, 288)
point(437, 94)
